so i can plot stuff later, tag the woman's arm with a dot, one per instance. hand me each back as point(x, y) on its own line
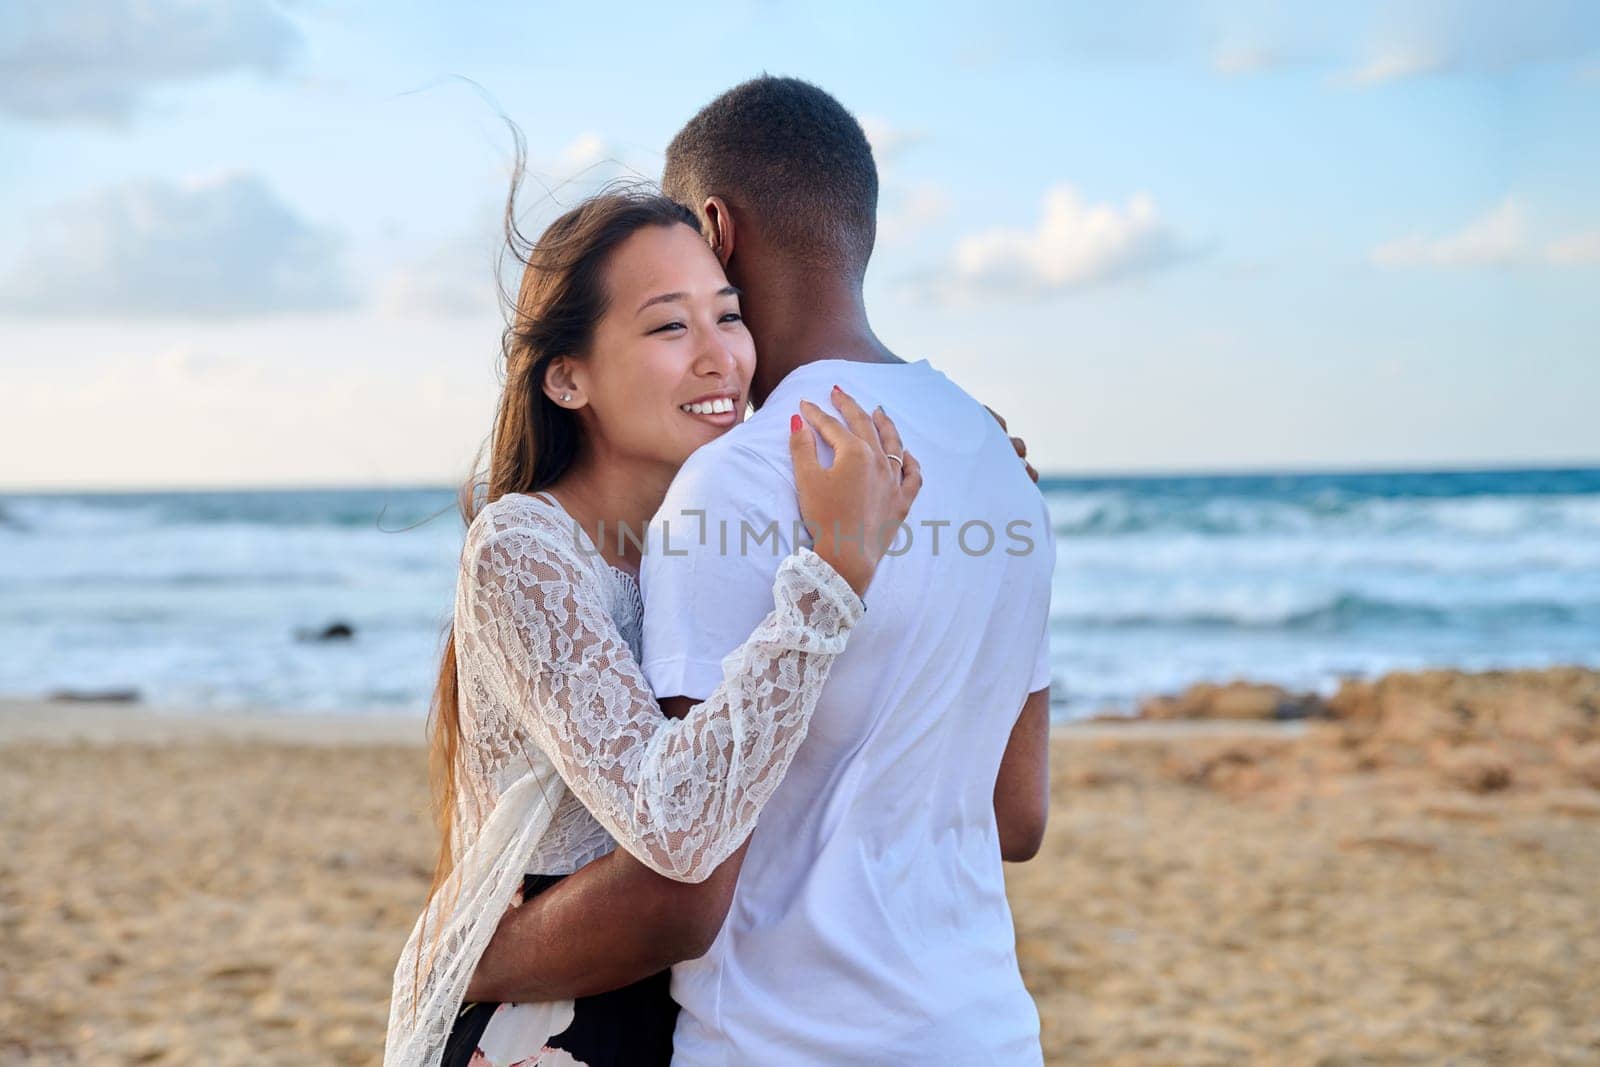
point(1022, 788)
point(680, 795)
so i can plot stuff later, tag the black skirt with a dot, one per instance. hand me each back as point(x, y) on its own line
point(627, 1027)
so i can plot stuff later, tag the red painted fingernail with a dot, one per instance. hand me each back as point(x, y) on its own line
point(794, 423)
point(836, 388)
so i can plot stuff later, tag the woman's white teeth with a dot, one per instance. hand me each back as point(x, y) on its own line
point(709, 407)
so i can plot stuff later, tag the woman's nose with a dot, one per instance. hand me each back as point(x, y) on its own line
point(715, 356)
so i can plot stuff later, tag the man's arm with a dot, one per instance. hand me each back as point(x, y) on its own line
point(1022, 788)
point(611, 923)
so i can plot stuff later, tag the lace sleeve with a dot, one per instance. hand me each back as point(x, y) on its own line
point(681, 795)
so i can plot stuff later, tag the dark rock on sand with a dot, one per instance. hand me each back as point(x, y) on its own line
point(335, 631)
point(1234, 700)
point(96, 696)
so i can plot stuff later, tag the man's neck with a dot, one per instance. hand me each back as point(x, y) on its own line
point(799, 320)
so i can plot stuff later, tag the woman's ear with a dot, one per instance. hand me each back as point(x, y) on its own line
point(719, 227)
point(561, 385)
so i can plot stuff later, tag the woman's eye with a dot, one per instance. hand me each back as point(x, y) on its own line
point(668, 326)
point(732, 316)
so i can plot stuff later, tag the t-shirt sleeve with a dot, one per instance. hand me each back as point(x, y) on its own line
point(715, 545)
point(1041, 664)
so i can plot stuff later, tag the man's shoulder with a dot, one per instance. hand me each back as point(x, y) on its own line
point(723, 526)
point(738, 475)
point(762, 438)
point(744, 470)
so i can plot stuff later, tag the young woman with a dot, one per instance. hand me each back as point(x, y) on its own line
point(626, 353)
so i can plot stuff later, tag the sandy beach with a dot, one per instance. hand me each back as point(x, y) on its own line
point(1411, 881)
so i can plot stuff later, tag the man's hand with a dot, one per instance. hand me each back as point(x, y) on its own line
point(1017, 443)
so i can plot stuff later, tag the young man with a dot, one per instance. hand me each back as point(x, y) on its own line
point(868, 923)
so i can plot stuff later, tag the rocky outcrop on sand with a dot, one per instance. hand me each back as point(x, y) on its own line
point(1234, 700)
point(334, 631)
point(1481, 732)
point(95, 696)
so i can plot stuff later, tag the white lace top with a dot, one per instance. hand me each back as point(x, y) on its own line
point(564, 747)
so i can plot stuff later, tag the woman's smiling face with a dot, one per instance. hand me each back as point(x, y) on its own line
point(670, 364)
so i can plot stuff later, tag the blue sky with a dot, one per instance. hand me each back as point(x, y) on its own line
point(250, 243)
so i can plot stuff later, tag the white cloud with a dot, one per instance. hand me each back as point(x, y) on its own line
point(445, 283)
point(1362, 45)
point(187, 364)
point(589, 161)
point(1578, 250)
point(1392, 65)
point(889, 143)
point(1497, 239)
point(455, 279)
point(97, 60)
point(583, 152)
point(1500, 238)
point(1479, 38)
point(347, 399)
point(218, 247)
point(555, 181)
point(905, 208)
point(1236, 59)
point(1076, 244)
point(911, 212)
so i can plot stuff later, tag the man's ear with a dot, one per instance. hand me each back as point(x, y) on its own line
point(719, 227)
point(561, 384)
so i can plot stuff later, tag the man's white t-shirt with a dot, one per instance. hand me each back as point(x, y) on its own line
point(870, 923)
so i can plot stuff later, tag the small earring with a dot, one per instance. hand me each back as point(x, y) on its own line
point(566, 396)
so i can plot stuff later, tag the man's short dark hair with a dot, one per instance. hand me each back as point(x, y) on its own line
point(791, 155)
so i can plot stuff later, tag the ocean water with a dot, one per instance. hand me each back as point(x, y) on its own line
point(197, 599)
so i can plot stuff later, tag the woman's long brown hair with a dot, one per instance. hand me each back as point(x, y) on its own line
point(534, 441)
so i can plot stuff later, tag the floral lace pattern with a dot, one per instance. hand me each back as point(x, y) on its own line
point(565, 747)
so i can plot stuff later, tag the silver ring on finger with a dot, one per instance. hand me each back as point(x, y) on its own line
point(894, 459)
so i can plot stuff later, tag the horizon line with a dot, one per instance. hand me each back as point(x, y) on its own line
point(1137, 474)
